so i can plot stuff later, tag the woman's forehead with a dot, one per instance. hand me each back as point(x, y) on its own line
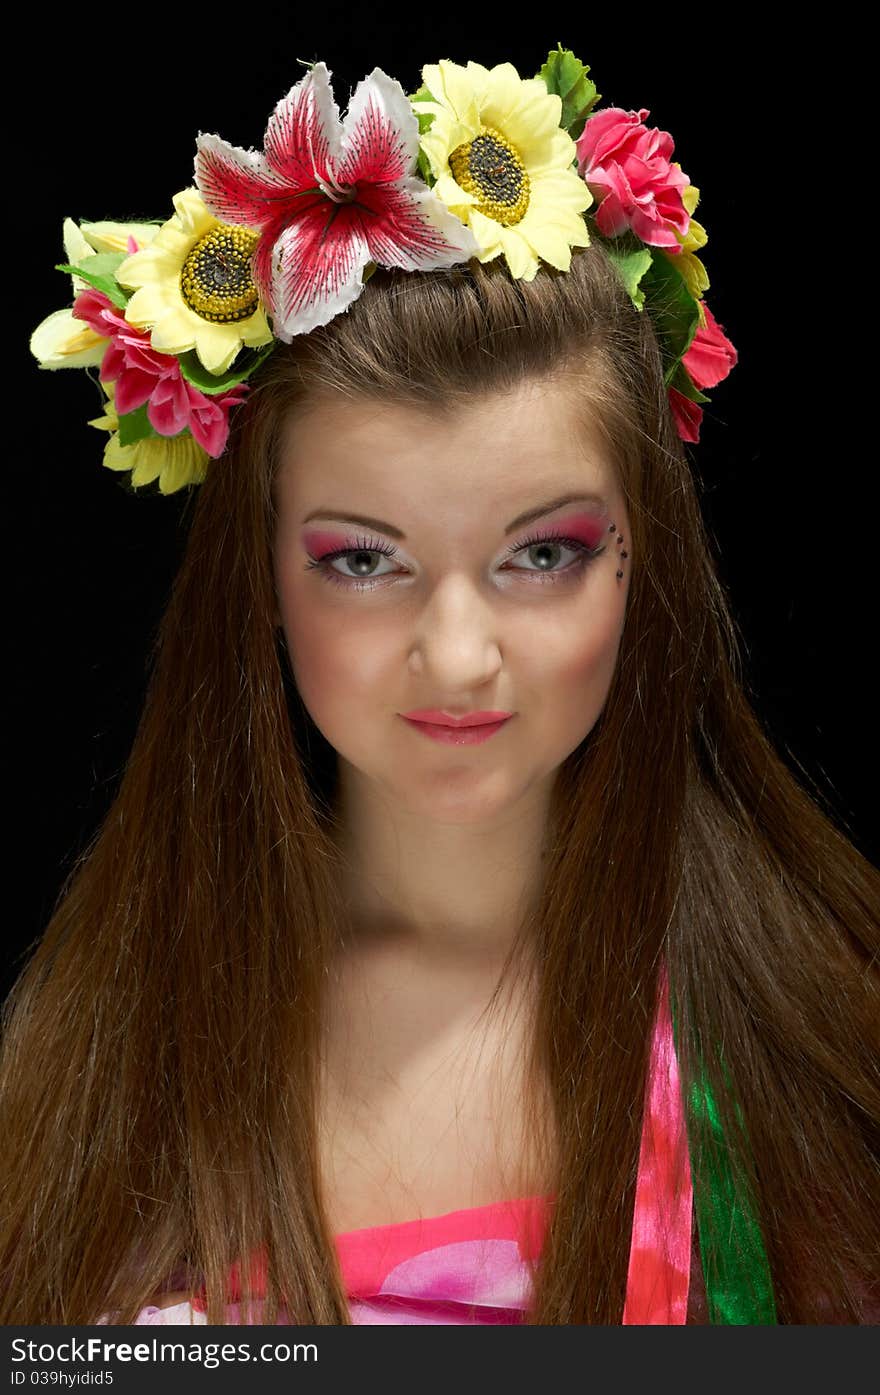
point(508, 451)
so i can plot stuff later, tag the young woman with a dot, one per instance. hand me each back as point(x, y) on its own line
point(360, 1013)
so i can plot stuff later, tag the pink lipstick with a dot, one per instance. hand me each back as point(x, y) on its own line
point(467, 730)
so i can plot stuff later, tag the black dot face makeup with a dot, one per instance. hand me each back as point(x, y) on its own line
point(612, 528)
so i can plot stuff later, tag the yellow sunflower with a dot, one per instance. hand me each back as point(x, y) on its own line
point(175, 461)
point(194, 288)
point(504, 165)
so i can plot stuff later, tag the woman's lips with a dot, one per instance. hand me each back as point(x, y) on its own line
point(477, 718)
point(457, 736)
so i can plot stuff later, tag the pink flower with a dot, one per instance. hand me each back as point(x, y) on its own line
point(686, 414)
point(708, 360)
point(329, 197)
point(143, 375)
point(627, 169)
point(711, 355)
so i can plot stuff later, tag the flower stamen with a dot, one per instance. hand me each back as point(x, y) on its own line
point(216, 280)
point(339, 193)
point(490, 168)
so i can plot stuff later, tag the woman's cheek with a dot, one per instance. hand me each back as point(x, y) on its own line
point(580, 646)
point(338, 671)
point(582, 668)
point(310, 659)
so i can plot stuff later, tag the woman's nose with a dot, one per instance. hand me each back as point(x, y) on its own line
point(457, 642)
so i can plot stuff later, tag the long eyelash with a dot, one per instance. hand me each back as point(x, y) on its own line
point(587, 554)
point(350, 583)
point(553, 538)
point(363, 544)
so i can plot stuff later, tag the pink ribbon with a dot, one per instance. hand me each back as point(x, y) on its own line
point(660, 1254)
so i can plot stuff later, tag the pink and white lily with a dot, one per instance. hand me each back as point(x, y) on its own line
point(329, 197)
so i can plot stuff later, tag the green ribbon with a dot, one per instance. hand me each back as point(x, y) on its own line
point(739, 1287)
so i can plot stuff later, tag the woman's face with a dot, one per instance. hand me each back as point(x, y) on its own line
point(435, 602)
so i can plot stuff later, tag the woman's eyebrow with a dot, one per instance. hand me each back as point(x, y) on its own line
point(528, 517)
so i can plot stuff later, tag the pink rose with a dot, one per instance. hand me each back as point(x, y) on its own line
point(143, 375)
point(627, 169)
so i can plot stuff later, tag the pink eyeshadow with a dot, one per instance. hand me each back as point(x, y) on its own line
point(585, 528)
point(319, 541)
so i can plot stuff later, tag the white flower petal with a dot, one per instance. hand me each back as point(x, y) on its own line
point(317, 272)
point(420, 233)
point(238, 185)
point(380, 133)
point(304, 134)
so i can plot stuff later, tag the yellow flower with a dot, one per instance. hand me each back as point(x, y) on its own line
point(60, 341)
point(194, 288)
point(503, 164)
point(175, 461)
point(83, 240)
point(686, 262)
point(113, 237)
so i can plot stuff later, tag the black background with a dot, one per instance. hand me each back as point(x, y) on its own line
point(105, 127)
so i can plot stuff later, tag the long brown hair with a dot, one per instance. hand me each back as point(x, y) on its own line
point(159, 1064)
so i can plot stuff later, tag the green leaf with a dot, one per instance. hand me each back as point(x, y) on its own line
point(655, 284)
point(682, 380)
point(425, 119)
point(104, 263)
point(135, 426)
point(211, 384)
point(101, 282)
point(672, 308)
point(567, 77)
point(631, 259)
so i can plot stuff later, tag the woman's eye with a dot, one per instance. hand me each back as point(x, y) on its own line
point(364, 563)
point(360, 566)
point(366, 558)
point(545, 553)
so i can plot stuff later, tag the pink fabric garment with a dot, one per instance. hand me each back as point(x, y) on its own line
point(465, 1267)
point(473, 1266)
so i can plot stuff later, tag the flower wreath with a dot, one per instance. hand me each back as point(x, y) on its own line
point(479, 162)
